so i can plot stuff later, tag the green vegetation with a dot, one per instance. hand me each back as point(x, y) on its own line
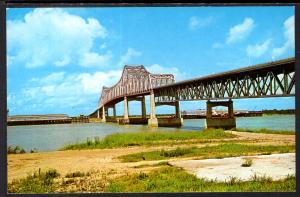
point(39, 182)
point(268, 131)
point(149, 138)
point(162, 163)
point(164, 179)
point(75, 174)
point(19, 150)
point(275, 111)
point(15, 150)
point(219, 151)
point(172, 179)
point(247, 162)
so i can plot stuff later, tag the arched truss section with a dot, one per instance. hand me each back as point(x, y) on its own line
point(135, 80)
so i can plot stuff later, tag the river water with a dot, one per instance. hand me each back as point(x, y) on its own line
point(55, 136)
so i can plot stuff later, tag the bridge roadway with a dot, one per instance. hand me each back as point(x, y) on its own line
point(271, 79)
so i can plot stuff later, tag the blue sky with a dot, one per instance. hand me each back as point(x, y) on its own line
point(59, 58)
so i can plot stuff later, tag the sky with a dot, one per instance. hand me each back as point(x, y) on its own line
point(58, 59)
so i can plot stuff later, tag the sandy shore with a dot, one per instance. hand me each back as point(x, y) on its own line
point(19, 165)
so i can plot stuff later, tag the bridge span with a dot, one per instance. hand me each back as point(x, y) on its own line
point(271, 79)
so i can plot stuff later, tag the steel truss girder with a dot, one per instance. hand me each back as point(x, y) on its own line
point(271, 83)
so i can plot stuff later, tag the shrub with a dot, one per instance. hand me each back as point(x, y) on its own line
point(142, 175)
point(247, 162)
point(10, 150)
point(75, 174)
point(15, 150)
point(34, 150)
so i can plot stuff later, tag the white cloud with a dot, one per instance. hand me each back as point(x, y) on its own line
point(65, 91)
point(52, 36)
point(258, 50)
point(158, 69)
point(240, 31)
point(289, 35)
point(196, 22)
point(127, 57)
point(53, 78)
point(92, 59)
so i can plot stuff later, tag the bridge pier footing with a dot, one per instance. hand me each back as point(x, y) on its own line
point(153, 122)
point(227, 122)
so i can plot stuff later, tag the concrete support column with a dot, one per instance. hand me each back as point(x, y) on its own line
point(103, 114)
point(98, 113)
point(177, 109)
point(152, 105)
point(126, 114)
point(114, 111)
point(230, 109)
point(143, 107)
point(208, 109)
point(153, 120)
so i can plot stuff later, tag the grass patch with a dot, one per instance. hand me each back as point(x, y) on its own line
point(148, 138)
point(268, 131)
point(172, 179)
point(219, 151)
point(38, 182)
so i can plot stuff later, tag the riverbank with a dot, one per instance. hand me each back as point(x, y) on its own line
point(108, 165)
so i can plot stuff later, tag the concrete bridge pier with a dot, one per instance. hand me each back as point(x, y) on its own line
point(226, 122)
point(153, 120)
point(113, 117)
point(143, 103)
point(103, 114)
point(98, 113)
point(125, 119)
point(176, 121)
point(114, 111)
point(179, 119)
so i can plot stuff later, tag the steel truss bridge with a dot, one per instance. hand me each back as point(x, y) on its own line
point(271, 79)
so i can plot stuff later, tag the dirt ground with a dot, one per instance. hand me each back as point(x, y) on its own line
point(104, 160)
point(275, 166)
